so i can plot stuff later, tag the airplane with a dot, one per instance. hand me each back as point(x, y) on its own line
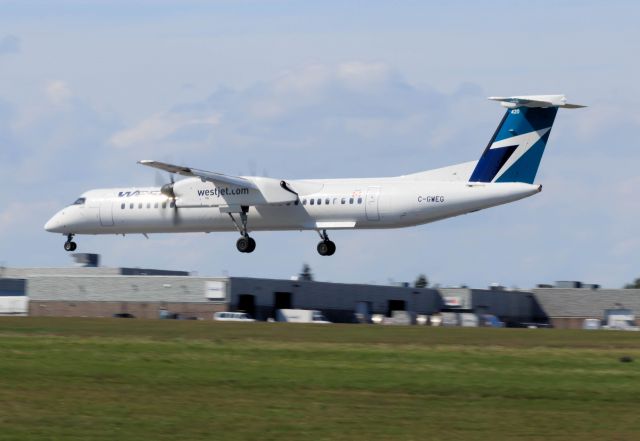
point(214, 202)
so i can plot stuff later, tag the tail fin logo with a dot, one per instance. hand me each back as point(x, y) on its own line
point(515, 150)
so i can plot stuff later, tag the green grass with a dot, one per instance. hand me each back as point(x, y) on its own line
point(81, 379)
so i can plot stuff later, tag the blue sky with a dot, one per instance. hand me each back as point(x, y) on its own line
point(325, 89)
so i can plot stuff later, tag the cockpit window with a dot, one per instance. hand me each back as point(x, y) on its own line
point(80, 201)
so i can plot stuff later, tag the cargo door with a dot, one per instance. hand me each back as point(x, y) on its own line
point(371, 205)
point(106, 213)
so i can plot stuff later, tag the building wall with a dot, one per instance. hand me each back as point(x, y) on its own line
point(569, 322)
point(336, 300)
point(568, 307)
point(118, 288)
point(144, 310)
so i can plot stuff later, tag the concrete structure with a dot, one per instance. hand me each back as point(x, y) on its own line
point(569, 307)
point(103, 292)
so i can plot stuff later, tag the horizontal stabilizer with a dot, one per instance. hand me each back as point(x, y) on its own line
point(512, 102)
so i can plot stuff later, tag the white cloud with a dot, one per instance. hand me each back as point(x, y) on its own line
point(58, 92)
point(328, 108)
point(158, 127)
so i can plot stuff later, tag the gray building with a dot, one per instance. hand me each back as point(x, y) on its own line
point(150, 293)
point(569, 307)
point(104, 292)
point(338, 301)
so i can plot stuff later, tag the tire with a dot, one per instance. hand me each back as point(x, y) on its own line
point(252, 245)
point(323, 248)
point(243, 244)
point(332, 248)
point(73, 246)
point(68, 246)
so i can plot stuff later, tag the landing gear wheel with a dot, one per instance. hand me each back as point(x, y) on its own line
point(70, 245)
point(246, 244)
point(326, 248)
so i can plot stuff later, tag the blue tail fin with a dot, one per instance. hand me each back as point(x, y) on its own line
point(515, 150)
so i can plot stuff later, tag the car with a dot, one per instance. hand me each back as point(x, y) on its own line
point(123, 315)
point(233, 317)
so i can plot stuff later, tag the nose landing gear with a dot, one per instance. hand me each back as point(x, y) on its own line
point(325, 247)
point(70, 245)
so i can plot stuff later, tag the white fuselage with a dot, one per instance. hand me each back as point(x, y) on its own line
point(201, 206)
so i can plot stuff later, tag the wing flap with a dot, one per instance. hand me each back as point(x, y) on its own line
point(335, 225)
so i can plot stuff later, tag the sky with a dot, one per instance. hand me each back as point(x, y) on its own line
point(295, 89)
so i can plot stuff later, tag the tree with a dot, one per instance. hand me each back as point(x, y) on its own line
point(634, 285)
point(306, 273)
point(421, 281)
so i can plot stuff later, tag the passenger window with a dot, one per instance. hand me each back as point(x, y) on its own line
point(172, 204)
point(312, 201)
point(319, 201)
point(131, 205)
point(335, 201)
point(304, 202)
point(164, 205)
point(140, 205)
point(122, 206)
point(297, 202)
point(148, 204)
point(155, 205)
point(327, 201)
point(351, 200)
point(343, 201)
point(359, 200)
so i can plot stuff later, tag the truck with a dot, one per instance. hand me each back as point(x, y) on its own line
point(300, 316)
point(620, 319)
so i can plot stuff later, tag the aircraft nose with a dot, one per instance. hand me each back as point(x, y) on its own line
point(56, 223)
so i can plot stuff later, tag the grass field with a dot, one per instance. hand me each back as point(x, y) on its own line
point(82, 379)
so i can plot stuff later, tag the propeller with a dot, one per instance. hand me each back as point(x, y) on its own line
point(167, 190)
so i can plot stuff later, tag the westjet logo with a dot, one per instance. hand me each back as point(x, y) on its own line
point(223, 191)
point(127, 194)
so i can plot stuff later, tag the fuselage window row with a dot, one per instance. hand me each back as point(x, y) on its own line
point(311, 201)
point(328, 201)
point(140, 205)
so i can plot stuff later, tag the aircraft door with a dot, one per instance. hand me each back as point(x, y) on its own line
point(371, 203)
point(106, 213)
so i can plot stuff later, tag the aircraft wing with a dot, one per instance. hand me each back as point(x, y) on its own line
point(203, 174)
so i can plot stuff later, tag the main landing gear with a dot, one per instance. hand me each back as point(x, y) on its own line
point(245, 244)
point(325, 247)
point(70, 245)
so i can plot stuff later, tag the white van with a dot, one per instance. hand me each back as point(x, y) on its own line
point(233, 317)
point(300, 316)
